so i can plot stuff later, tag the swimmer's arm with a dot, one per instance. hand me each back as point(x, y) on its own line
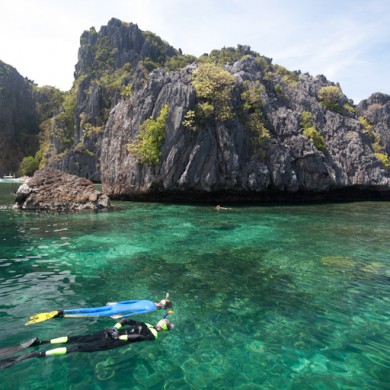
point(125, 321)
point(133, 337)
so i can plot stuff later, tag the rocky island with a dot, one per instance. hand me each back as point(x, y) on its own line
point(151, 123)
point(53, 190)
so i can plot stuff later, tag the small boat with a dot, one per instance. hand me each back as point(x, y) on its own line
point(11, 179)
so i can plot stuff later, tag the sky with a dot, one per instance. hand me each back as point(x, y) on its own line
point(348, 41)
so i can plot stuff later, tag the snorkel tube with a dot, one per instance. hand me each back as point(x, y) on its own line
point(163, 324)
point(167, 314)
point(169, 311)
point(164, 303)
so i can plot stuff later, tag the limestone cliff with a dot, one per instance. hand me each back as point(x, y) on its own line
point(221, 160)
point(18, 119)
point(111, 64)
point(237, 126)
point(377, 110)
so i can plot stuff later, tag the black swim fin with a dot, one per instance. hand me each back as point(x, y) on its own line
point(10, 350)
point(5, 363)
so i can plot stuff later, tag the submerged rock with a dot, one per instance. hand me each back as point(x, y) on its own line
point(53, 190)
point(338, 261)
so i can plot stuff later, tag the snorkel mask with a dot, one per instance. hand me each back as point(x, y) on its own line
point(166, 303)
point(164, 324)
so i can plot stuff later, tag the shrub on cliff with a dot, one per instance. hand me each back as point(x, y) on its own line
point(65, 121)
point(330, 98)
point(252, 112)
point(48, 101)
point(214, 85)
point(147, 147)
point(228, 55)
point(288, 77)
point(196, 118)
point(376, 142)
point(178, 62)
point(256, 124)
point(251, 95)
point(29, 166)
point(383, 158)
point(310, 131)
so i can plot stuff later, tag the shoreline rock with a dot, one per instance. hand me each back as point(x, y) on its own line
point(53, 190)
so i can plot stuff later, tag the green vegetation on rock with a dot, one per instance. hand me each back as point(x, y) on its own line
point(383, 158)
point(81, 148)
point(252, 114)
point(29, 165)
point(251, 96)
point(349, 108)
point(116, 81)
point(178, 62)
point(368, 128)
point(196, 118)
point(48, 101)
point(376, 142)
point(103, 55)
point(214, 86)
point(227, 55)
point(159, 46)
point(288, 77)
point(190, 121)
point(256, 124)
point(279, 90)
point(147, 147)
point(65, 120)
point(330, 98)
point(310, 131)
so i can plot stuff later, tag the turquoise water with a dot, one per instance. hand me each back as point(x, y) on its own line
point(271, 297)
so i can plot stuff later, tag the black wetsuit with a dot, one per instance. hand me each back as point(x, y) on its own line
point(109, 339)
point(101, 341)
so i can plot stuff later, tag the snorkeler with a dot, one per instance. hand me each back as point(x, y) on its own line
point(115, 337)
point(219, 207)
point(112, 309)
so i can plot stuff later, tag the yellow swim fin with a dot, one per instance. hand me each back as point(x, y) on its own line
point(41, 317)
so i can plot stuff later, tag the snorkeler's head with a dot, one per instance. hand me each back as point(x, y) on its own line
point(165, 304)
point(164, 325)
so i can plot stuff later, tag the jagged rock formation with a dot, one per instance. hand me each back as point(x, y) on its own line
point(53, 190)
point(220, 161)
point(377, 110)
point(277, 135)
point(118, 56)
point(18, 119)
